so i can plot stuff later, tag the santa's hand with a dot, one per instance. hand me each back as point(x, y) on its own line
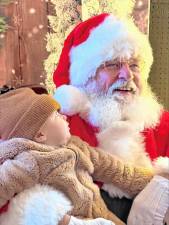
point(98, 221)
point(150, 206)
point(122, 127)
point(119, 129)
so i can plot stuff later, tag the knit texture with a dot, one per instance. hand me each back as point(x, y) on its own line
point(21, 109)
point(71, 169)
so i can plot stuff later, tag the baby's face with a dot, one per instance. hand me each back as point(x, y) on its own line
point(55, 130)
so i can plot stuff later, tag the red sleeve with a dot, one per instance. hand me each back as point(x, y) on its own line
point(82, 129)
point(162, 135)
point(157, 139)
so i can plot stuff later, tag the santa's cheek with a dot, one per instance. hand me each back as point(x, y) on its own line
point(104, 80)
point(138, 83)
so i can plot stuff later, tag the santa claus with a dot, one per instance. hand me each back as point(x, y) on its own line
point(101, 81)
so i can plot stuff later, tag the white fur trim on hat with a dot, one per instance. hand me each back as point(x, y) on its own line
point(71, 99)
point(111, 39)
point(39, 205)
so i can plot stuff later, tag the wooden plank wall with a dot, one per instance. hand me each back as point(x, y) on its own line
point(23, 51)
point(24, 47)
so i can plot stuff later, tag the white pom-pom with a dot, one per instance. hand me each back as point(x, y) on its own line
point(71, 99)
point(161, 165)
point(40, 205)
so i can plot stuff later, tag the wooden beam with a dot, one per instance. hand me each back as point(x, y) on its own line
point(24, 48)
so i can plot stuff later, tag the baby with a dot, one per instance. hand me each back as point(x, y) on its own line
point(47, 175)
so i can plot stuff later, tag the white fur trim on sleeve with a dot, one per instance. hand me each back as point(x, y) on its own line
point(39, 205)
point(161, 165)
point(71, 99)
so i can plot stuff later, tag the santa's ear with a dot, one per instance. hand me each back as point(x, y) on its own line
point(71, 99)
point(40, 137)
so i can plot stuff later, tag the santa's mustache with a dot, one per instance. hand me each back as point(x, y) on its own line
point(121, 85)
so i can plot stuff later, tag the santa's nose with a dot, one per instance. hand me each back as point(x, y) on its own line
point(125, 72)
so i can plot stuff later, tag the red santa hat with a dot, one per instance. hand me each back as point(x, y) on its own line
point(94, 41)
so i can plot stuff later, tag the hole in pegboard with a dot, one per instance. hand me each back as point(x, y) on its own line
point(159, 39)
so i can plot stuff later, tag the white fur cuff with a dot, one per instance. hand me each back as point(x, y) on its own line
point(161, 165)
point(39, 205)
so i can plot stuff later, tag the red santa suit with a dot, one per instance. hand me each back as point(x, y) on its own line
point(80, 58)
point(156, 139)
point(92, 42)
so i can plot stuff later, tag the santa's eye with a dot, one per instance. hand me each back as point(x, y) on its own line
point(115, 65)
point(134, 66)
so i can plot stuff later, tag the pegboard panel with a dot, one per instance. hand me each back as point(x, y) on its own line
point(159, 38)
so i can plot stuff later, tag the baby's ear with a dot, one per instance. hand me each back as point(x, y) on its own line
point(40, 137)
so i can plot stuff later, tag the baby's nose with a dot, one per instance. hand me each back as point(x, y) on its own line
point(64, 117)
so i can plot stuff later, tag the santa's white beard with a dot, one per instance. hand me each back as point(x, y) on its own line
point(121, 118)
point(103, 111)
point(144, 111)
